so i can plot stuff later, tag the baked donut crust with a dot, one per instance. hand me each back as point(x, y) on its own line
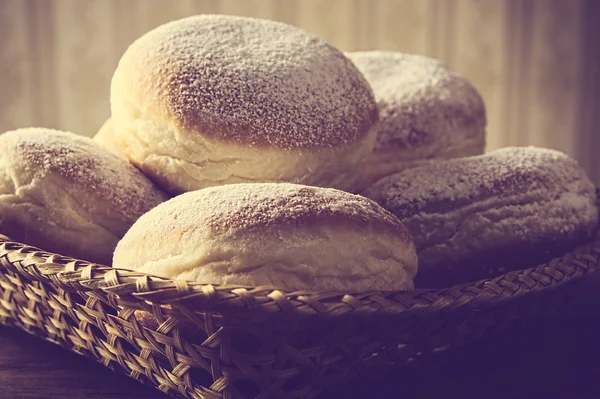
point(477, 217)
point(105, 137)
point(66, 194)
point(224, 99)
point(284, 235)
point(427, 111)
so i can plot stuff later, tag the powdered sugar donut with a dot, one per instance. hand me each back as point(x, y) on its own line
point(106, 138)
point(217, 99)
point(66, 194)
point(475, 217)
point(426, 112)
point(289, 236)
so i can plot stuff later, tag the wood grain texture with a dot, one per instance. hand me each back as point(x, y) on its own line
point(402, 25)
point(479, 53)
point(589, 122)
point(518, 71)
point(249, 8)
point(84, 61)
point(333, 20)
point(441, 21)
point(126, 28)
point(157, 12)
point(552, 90)
point(17, 102)
point(42, 34)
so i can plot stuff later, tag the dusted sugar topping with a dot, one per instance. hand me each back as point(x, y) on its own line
point(84, 163)
point(420, 100)
point(260, 206)
point(477, 217)
point(443, 186)
point(251, 82)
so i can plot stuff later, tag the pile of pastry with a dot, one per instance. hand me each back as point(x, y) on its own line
point(249, 152)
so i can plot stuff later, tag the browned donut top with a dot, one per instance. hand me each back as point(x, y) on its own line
point(440, 187)
point(84, 163)
point(259, 207)
point(419, 99)
point(250, 82)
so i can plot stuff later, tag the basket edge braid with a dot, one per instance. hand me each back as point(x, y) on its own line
point(134, 288)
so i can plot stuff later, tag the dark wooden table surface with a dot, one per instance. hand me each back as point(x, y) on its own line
point(547, 359)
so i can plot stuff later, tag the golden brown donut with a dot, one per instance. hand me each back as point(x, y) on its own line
point(66, 194)
point(217, 99)
point(282, 235)
point(427, 112)
point(105, 137)
point(477, 217)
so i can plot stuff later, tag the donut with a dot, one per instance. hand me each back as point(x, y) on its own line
point(215, 99)
point(66, 194)
point(426, 112)
point(105, 137)
point(477, 217)
point(281, 235)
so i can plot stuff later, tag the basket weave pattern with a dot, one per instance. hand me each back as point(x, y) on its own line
point(236, 342)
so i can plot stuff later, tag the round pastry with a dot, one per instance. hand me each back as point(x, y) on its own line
point(289, 236)
point(426, 112)
point(480, 216)
point(66, 194)
point(216, 99)
point(105, 137)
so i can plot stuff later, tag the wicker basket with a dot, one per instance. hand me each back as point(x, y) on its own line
point(236, 342)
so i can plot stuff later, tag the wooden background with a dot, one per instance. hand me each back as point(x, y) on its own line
point(535, 61)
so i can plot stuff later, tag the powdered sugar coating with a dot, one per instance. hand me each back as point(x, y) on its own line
point(251, 82)
point(476, 217)
point(280, 235)
point(87, 165)
point(442, 186)
point(259, 206)
point(423, 105)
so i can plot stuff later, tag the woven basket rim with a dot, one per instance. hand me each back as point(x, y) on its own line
point(140, 291)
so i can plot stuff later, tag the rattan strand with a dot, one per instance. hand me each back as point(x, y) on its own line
point(231, 342)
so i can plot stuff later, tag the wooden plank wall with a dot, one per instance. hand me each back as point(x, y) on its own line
point(534, 61)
